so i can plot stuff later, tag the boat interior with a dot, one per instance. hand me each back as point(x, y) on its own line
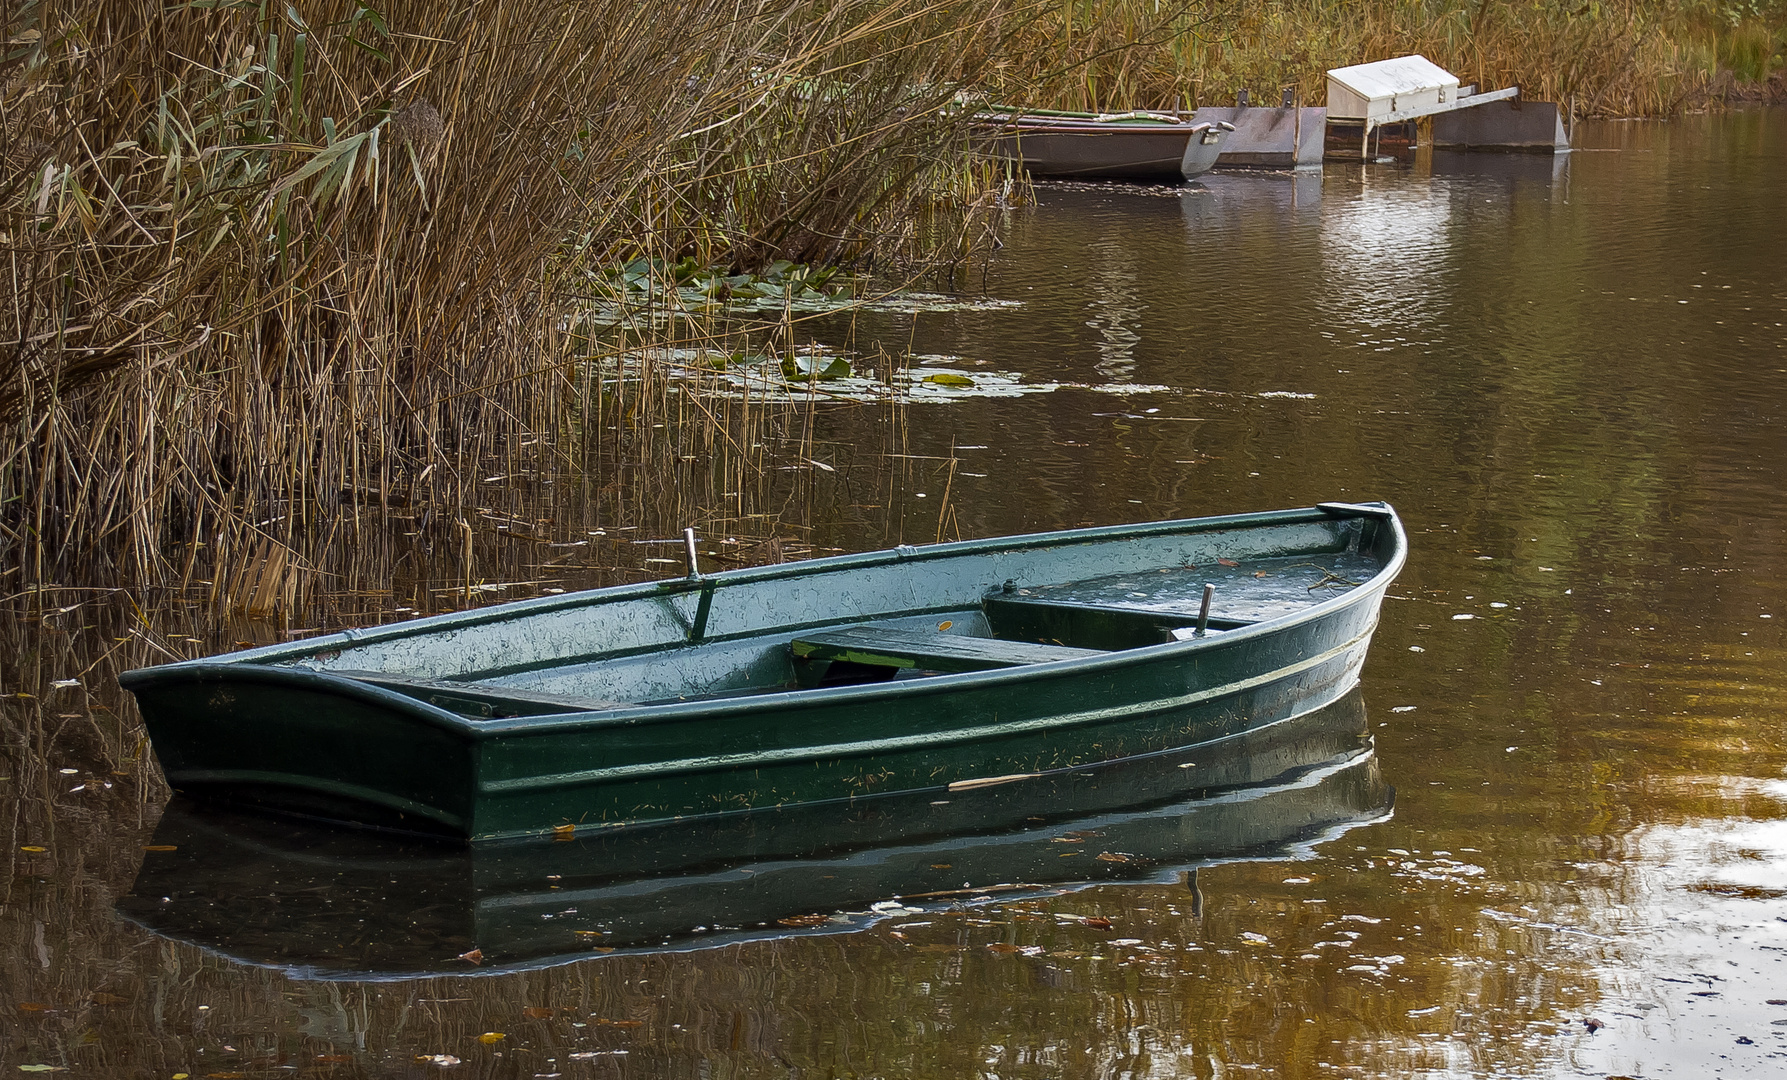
point(1018, 625)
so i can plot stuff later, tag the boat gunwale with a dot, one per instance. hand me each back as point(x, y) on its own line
point(262, 665)
point(1133, 118)
point(698, 709)
point(1055, 126)
point(540, 605)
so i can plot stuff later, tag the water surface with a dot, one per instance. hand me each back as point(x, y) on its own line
point(1568, 376)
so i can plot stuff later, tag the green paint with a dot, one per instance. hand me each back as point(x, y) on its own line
point(668, 698)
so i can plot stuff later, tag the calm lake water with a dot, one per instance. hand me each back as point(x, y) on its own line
point(1569, 377)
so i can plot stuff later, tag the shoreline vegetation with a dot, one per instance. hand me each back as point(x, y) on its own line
point(1613, 58)
point(277, 270)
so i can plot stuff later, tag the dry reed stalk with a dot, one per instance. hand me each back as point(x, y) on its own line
point(266, 581)
point(274, 269)
point(1622, 57)
point(265, 260)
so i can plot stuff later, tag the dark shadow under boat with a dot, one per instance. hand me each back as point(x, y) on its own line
point(351, 904)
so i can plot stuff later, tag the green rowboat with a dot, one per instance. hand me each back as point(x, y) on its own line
point(935, 668)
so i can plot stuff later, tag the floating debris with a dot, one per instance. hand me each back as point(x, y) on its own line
point(651, 291)
point(816, 373)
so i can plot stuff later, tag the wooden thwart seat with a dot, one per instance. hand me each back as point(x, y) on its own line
point(1106, 625)
point(928, 650)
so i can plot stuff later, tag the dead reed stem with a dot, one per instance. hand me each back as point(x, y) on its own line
point(273, 266)
point(1620, 58)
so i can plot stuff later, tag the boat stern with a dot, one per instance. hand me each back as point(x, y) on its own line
point(1204, 148)
point(311, 744)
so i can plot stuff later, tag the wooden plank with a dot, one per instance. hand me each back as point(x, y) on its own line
point(887, 647)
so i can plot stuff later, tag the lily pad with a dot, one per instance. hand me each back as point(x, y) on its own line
point(817, 372)
point(816, 367)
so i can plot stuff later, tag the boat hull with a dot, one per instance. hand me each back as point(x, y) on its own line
point(298, 727)
point(1089, 150)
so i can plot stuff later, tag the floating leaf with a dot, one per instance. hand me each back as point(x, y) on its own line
point(537, 1012)
point(32, 1006)
point(945, 378)
point(40, 1068)
point(445, 1061)
point(804, 920)
point(490, 1038)
point(476, 956)
point(564, 832)
point(945, 625)
point(1227, 562)
point(34, 849)
point(1098, 922)
point(1001, 947)
point(620, 1023)
point(1112, 856)
point(816, 367)
point(160, 847)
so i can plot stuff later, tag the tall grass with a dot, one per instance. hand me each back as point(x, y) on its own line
point(274, 269)
point(1614, 57)
point(274, 266)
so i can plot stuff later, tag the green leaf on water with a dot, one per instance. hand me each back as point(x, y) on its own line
point(816, 367)
point(944, 378)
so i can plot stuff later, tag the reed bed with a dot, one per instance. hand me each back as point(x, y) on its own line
point(280, 271)
point(1612, 57)
point(277, 269)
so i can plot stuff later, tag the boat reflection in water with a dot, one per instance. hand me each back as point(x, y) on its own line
point(349, 904)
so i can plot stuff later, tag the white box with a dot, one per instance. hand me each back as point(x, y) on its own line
point(1390, 90)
